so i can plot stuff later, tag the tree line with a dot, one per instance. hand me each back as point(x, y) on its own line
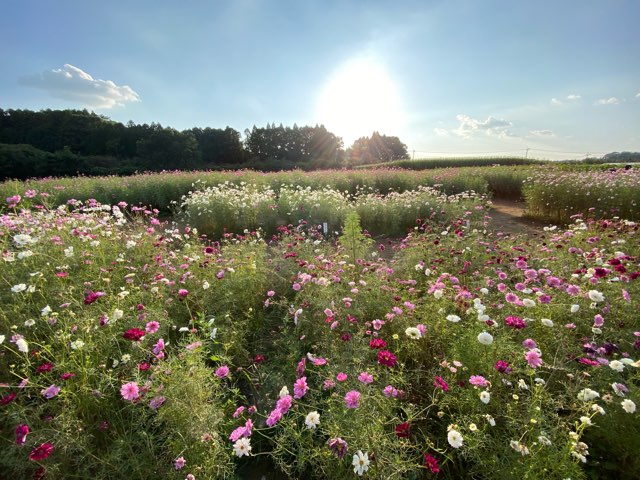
point(71, 142)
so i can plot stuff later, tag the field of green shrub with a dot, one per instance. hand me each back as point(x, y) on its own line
point(132, 348)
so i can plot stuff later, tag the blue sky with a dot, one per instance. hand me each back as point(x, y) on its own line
point(561, 78)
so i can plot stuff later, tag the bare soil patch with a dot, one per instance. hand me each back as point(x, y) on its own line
point(508, 218)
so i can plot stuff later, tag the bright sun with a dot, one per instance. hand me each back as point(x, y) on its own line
point(360, 97)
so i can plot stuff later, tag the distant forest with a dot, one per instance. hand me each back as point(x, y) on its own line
point(72, 142)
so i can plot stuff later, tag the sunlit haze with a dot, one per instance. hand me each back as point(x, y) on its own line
point(546, 79)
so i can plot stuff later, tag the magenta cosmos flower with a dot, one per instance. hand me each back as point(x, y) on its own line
point(41, 452)
point(385, 357)
point(515, 322)
point(22, 431)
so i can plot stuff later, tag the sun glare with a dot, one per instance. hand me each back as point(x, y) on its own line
point(358, 98)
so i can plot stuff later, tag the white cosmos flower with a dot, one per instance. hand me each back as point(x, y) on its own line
point(20, 287)
point(453, 318)
point(547, 322)
point(490, 419)
point(438, 294)
point(575, 308)
point(46, 311)
point(22, 345)
point(284, 391)
point(485, 397)
point(454, 438)
point(242, 447)
point(595, 296)
point(360, 462)
point(413, 332)
point(485, 338)
point(628, 406)
point(616, 365)
point(586, 395)
point(312, 420)
point(527, 302)
point(2, 337)
point(29, 323)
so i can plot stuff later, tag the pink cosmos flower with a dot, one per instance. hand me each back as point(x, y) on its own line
point(274, 417)
point(300, 388)
point(390, 391)
point(158, 347)
point(238, 412)
point(50, 391)
point(156, 402)
point(222, 372)
point(478, 380)
point(152, 327)
point(284, 404)
point(365, 378)
point(130, 391)
point(534, 359)
point(352, 399)
point(529, 344)
point(341, 377)
point(179, 463)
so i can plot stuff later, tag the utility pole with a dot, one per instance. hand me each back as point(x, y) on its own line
point(526, 153)
point(413, 155)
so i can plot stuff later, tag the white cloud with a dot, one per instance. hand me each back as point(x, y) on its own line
point(638, 95)
point(541, 133)
point(73, 84)
point(441, 132)
point(573, 97)
point(492, 126)
point(608, 101)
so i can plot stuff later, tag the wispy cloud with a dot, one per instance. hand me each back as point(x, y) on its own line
point(571, 98)
point(73, 84)
point(541, 133)
point(492, 126)
point(441, 132)
point(607, 101)
point(638, 95)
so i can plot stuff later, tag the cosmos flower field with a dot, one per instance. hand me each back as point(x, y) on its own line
point(131, 347)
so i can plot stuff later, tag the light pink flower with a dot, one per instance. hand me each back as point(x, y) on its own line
point(50, 391)
point(130, 391)
point(534, 359)
point(365, 378)
point(152, 327)
point(478, 380)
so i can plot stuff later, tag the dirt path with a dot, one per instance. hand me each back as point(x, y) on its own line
point(508, 218)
